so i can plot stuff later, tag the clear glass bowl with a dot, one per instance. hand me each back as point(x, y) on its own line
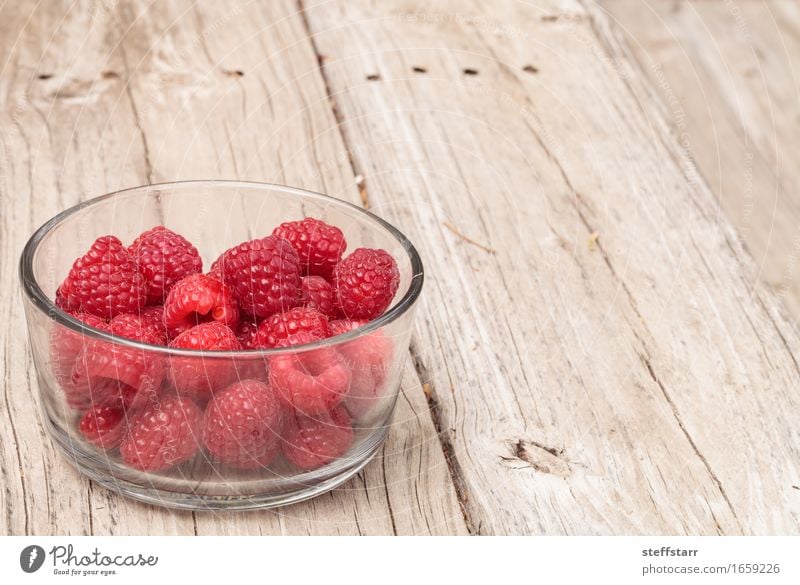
point(214, 216)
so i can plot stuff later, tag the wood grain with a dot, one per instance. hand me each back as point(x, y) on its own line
point(728, 77)
point(593, 354)
point(153, 94)
point(611, 368)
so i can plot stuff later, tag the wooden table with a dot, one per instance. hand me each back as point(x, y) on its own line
point(595, 352)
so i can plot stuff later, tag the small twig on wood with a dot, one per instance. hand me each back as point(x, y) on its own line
point(362, 191)
point(467, 239)
point(593, 240)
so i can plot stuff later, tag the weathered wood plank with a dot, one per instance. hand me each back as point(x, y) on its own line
point(609, 368)
point(153, 94)
point(726, 73)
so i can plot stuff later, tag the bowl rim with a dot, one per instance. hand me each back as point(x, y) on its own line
point(42, 302)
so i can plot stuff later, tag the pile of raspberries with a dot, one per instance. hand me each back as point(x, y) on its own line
point(290, 288)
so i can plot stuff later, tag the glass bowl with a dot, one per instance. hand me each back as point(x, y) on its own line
point(214, 216)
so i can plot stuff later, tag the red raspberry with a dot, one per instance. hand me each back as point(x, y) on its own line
point(153, 318)
point(243, 424)
point(246, 334)
point(135, 327)
point(104, 426)
point(198, 299)
point(105, 282)
point(111, 373)
point(365, 283)
point(65, 347)
point(311, 381)
point(317, 293)
point(164, 258)
point(282, 330)
point(369, 358)
point(318, 244)
point(264, 275)
point(311, 442)
point(164, 434)
point(198, 377)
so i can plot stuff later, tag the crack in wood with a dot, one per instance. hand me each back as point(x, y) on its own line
point(538, 456)
point(148, 166)
point(337, 114)
point(646, 361)
point(445, 442)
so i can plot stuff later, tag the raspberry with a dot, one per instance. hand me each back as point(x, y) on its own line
point(135, 327)
point(66, 344)
point(282, 330)
point(198, 299)
point(197, 377)
point(313, 442)
point(153, 318)
point(163, 435)
point(104, 282)
point(242, 425)
point(311, 381)
point(317, 293)
point(318, 244)
point(110, 373)
point(264, 275)
point(246, 334)
point(104, 426)
point(369, 358)
point(365, 283)
point(164, 258)
point(342, 326)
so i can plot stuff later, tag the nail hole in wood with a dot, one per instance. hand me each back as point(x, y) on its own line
point(45, 76)
point(373, 77)
point(470, 71)
point(530, 69)
point(419, 70)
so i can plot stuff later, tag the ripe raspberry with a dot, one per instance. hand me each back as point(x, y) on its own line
point(365, 283)
point(341, 326)
point(104, 426)
point(65, 347)
point(311, 442)
point(110, 373)
point(317, 293)
point(369, 358)
point(198, 377)
point(135, 327)
point(243, 424)
point(248, 327)
point(104, 282)
point(311, 381)
point(164, 258)
point(264, 275)
point(153, 318)
point(198, 299)
point(282, 330)
point(163, 435)
point(318, 244)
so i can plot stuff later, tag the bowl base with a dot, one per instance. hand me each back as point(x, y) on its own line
point(337, 473)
